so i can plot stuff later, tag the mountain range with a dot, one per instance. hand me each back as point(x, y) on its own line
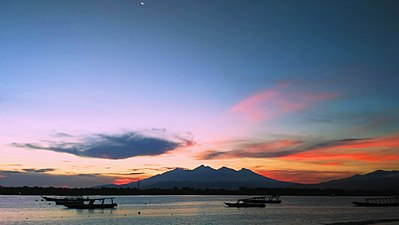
point(227, 178)
point(377, 180)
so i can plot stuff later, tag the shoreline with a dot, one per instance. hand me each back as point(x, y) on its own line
point(191, 191)
point(367, 222)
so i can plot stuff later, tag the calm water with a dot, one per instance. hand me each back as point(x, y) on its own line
point(190, 210)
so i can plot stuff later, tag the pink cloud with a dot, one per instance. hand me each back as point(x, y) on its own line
point(273, 102)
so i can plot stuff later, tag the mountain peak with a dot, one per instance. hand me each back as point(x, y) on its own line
point(377, 172)
point(177, 169)
point(224, 168)
point(203, 168)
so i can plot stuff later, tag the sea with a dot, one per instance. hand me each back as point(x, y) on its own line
point(193, 209)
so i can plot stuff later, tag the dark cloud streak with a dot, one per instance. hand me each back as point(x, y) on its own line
point(39, 170)
point(119, 146)
point(247, 150)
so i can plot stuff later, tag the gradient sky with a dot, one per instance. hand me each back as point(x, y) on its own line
point(95, 92)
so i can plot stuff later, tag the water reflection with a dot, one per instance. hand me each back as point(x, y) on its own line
point(191, 210)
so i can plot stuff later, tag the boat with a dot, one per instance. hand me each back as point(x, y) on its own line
point(91, 203)
point(48, 198)
point(379, 202)
point(265, 199)
point(60, 201)
point(242, 203)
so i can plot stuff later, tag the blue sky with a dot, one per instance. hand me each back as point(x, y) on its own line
point(315, 70)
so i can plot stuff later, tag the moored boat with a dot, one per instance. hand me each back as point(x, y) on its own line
point(241, 203)
point(61, 201)
point(379, 202)
point(48, 198)
point(93, 203)
point(264, 199)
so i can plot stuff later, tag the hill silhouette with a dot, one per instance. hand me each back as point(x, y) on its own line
point(377, 180)
point(207, 177)
point(204, 177)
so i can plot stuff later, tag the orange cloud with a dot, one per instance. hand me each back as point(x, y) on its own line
point(344, 152)
point(379, 149)
point(273, 102)
point(357, 156)
point(121, 181)
point(390, 141)
point(329, 163)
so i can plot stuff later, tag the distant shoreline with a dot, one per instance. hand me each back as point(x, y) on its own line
point(367, 222)
point(190, 191)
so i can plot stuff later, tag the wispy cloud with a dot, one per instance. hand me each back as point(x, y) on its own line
point(272, 102)
point(268, 149)
point(45, 170)
point(117, 146)
point(375, 149)
point(124, 173)
point(11, 165)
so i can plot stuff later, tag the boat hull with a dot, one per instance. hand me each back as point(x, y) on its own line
point(73, 205)
point(245, 205)
point(49, 199)
point(274, 199)
point(367, 204)
point(266, 201)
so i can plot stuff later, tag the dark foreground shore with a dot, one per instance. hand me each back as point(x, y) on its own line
point(367, 222)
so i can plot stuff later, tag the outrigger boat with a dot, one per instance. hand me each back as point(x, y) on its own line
point(49, 199)
point(61, 201)
point(94, 203)
point(379, 202)
point(242, 203)
point(264, 199)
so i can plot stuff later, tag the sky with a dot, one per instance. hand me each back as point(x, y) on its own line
point(97, 92)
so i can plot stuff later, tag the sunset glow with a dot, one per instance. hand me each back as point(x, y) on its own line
point(101, 92)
